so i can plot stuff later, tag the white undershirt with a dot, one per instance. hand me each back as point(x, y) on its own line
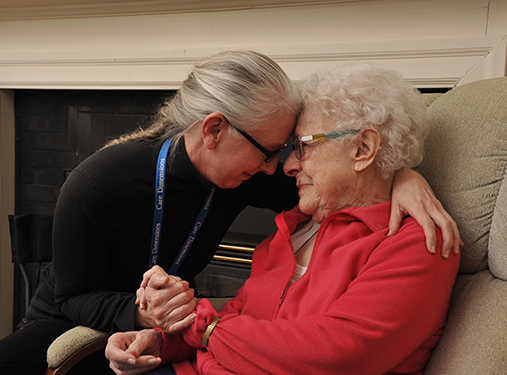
point(301, 240)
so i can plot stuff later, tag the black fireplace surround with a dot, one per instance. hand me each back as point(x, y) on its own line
point(57, 129)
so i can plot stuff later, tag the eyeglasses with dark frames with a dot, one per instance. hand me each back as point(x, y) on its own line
point(270, 155)
point(298, 143)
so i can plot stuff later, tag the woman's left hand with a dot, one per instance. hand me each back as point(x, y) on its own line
point(134, 353)
point(413, 196)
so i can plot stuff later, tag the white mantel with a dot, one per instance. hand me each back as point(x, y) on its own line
point(151, 44)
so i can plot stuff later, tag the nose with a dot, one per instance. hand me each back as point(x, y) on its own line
point(269, 168)
point(292, 165)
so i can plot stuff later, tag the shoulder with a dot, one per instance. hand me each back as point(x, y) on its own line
point(408, 247)
point(117, 156)
point(114, 166)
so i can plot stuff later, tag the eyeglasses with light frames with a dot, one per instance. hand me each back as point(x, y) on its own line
point(270, 155)
point(298, 143)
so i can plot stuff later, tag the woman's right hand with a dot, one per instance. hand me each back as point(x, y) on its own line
point(165, 301)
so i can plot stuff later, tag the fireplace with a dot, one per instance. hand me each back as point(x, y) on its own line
point(57, 129)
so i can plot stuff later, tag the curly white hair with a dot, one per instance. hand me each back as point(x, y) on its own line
point(364, 95)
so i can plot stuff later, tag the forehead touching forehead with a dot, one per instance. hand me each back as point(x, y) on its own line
point(280, 124)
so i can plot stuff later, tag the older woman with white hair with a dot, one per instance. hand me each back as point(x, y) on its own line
point(329, 292)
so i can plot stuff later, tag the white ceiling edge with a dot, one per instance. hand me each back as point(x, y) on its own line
point(11, 10)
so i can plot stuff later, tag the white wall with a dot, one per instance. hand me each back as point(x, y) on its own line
point(145, 44)
point(432, 42)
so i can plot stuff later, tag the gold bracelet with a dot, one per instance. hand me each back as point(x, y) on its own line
point(209, 331)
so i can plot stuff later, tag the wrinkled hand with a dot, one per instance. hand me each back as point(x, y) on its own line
point(413, 196)
point(165, 301)
point(132, 353)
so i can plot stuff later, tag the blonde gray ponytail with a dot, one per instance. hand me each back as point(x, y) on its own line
point(247, 87)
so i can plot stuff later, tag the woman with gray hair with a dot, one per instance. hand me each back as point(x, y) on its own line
point(142, 201)
point(330, 292)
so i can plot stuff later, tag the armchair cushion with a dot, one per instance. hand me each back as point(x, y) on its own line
point(466, 164)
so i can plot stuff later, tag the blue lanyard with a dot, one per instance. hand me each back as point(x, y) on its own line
point(159, 213)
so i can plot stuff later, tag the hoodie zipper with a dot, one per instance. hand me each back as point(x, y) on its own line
point(282, 297)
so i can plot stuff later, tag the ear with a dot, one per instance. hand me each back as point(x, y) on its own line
point(212, 130)
point(366, 149)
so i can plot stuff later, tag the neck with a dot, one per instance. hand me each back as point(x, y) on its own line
point(372, 188)
point(375, 190)
point(196, 153)
point(365, 190)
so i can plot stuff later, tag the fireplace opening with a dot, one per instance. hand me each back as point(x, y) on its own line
point(57, 129)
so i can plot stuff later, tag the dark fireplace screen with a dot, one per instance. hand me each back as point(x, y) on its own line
point(57, 129)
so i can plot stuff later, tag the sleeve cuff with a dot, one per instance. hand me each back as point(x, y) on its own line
point(204, 325)
point(174, 348)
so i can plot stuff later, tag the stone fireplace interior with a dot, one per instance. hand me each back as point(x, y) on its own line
point(72, 76)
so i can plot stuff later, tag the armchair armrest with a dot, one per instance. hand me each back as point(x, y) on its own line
point(72, 346)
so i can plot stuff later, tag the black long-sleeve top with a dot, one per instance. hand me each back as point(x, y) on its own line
point(103, 227)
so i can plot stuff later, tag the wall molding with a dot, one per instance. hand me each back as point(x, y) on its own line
point(15, 10)
point(426, 63)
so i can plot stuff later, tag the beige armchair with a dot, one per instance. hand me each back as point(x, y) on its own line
point(466, 164)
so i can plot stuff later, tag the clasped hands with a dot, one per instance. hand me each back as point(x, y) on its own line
point(164, 301)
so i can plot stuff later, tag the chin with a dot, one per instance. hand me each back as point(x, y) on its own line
point(230, 184)
point(318, 215)
point(306, 210)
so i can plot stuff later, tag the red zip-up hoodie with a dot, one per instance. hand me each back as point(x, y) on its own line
point(367, 304)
